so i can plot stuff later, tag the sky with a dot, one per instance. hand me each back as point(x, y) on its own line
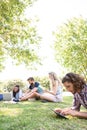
point(51, 13)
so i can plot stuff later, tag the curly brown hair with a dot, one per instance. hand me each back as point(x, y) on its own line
point(77, 81)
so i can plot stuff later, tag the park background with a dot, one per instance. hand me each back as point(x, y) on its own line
point(50, 15)
point(36, 37)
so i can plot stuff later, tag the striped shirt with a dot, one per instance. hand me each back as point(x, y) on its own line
point(80, 99)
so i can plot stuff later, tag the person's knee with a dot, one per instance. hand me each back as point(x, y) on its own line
point(35, 93)
point(42, 97)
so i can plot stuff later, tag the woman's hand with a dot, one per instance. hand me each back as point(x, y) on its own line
point(58, 110)
point(67, 111)
point(50, 92)
point(63, 111)
point(74, 113)
point(71, 112)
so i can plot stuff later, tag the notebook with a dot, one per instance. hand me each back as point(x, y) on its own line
point(59, 114)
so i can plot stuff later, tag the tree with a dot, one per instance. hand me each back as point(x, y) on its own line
point(71, 45)
point(18, 35)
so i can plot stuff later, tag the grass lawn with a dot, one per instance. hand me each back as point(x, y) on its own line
point(37, 116)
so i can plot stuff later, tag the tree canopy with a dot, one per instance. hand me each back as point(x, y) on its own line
point(18, 35)
point(71, 45)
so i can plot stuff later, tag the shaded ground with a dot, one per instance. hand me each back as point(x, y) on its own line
point(37, 116)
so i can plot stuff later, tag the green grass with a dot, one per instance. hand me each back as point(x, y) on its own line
point(37, 116)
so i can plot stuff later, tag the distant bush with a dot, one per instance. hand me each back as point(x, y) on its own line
point(1, 86)
point(44, 81)
point(8, 85)
point(64, 89)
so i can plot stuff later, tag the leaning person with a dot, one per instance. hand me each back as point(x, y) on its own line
point(75, 84)
point(34, 91)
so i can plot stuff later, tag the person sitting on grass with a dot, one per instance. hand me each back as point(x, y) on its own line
point(75, 84)
point(16, 93)
point(55, 95)
point(34, 90)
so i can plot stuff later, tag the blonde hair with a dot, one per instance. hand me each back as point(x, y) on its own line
point(54, 77)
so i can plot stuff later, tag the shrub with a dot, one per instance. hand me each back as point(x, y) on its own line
point(1, 86)
point(44, 81)
point(8, 85)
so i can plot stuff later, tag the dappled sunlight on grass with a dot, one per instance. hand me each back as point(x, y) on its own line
point(10, 111)
point(26, 102)
point(37, 115)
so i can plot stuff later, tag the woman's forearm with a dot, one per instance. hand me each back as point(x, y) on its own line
point(75, 113)
point(82, 115)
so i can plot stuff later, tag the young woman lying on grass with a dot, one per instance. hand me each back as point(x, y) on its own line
point(77, 86)
point(34, 90)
